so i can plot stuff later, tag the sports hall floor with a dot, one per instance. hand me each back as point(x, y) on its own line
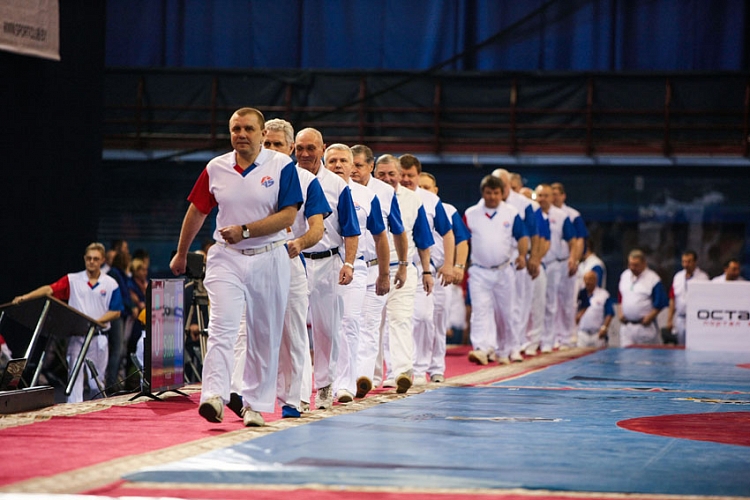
point(617, 423)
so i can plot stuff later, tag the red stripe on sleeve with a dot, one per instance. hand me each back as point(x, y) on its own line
point(61, 288)
point(200, 196)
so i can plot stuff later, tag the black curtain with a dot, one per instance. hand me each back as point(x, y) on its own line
point(51, 128)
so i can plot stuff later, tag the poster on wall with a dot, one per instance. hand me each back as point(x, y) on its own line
point(31, 27)
point(718, 316)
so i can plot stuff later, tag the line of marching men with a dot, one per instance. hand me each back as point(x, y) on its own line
point(371, 258)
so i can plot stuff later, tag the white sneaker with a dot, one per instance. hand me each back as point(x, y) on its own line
point(304, 406)
point(516, 357)
point(212, 409)
point(491, 356)
point(344, 396)
point(324, 398)
point(419, 380)
point(252, 418)
point(503, 360)
point(403, 383)
point(478, 356)
point(531, 351)
point(546, 350)
point(437, 378)
point(564, 347)
point(389, 383)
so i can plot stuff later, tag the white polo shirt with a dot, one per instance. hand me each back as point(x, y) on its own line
point(493, 231)
point(249, 195)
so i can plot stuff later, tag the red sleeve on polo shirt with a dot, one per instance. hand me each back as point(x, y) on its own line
point(671, 292)
point(61, 288)
point(200, 196)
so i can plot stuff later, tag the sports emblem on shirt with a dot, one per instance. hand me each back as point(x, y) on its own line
point(506, 224)
point(357, 206)
point(103, 293)
point(267, 181)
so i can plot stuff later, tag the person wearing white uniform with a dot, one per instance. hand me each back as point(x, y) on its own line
point(257, 193)
point(443, 294)
point(592, 262)
point(338, 158)
point(523, 286)
point(539, 283)
point(442, 257)
point(556, 262)
point(732, 272)
point(370, 348)
point(96, 295)
point(328, 264)
point(568, 290)
point(493, 225)
point(398, 339)
point(642, 296)
point(678, 294)
point(294, 384)
point(595, 313)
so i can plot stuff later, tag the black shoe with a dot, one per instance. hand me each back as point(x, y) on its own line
point(235, 404)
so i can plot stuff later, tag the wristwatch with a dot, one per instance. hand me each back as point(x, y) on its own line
point(245, 232)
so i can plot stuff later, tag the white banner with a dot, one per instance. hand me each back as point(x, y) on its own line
point(30, 27)
point(718, 316)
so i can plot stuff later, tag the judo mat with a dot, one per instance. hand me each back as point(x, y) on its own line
point(644, 421)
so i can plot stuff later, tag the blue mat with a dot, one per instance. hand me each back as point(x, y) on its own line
point(668, 369)
point(505, 437)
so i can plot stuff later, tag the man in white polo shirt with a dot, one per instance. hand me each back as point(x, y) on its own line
point(595, 313)
point(442, 257)
point(678, 294)
point(370, 341)
point(257, 192)
point(399, 308)
point(642, 296)
point(493, 225)
point(330, 263)
point(96, 295)
point(338, 159)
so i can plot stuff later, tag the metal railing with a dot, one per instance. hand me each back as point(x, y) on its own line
point(146, 113)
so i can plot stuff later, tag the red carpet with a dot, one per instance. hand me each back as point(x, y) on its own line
point(67, 443)
point(727, 428)
point(313, 494)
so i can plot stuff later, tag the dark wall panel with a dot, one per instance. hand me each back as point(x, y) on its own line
point(51, 122)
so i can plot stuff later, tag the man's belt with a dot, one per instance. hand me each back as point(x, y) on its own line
point(499, 266)
point(373, 262)
point(256, 251)
point(321, 255)
point(632, 322)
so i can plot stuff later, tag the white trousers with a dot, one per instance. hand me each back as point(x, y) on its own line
point(491, 301)
point(638, 334)
point(259, 284)
point(423, 329)
point(98, 353)
point(326, 312)
point(538, 308)
point(442, 299)
point(679, 328)
point(521, 309)
point(554, 279)
point(294, 351)
point(370, 346)
point(353, 297)
point(565, 325)
point(589, 339)
point(398, 338)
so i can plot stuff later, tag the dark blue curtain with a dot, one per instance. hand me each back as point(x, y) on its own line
point(497, 35)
